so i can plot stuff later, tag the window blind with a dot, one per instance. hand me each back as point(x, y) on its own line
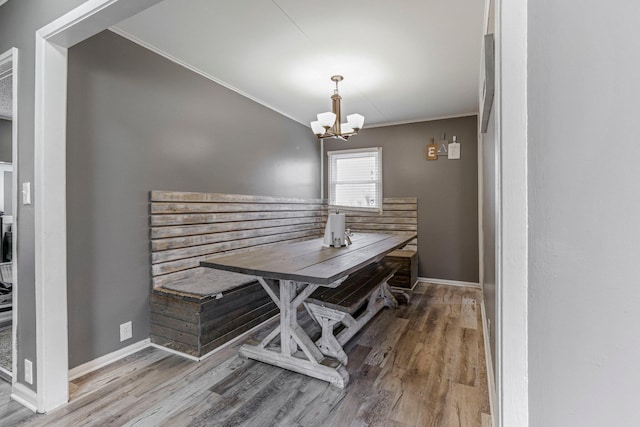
point(355, 178)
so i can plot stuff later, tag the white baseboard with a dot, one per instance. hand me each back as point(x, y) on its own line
point(176, 352)
point(107, 359)
point(450, 282)
point(487, 358)
point(406, 289)
point(6, 375)
point(25, 396)
point(215, 350)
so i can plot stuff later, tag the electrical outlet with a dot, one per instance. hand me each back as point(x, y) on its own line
point(126, 331)
point(28, 371)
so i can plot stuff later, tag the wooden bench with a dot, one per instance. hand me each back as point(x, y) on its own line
point(399, 214)
point(407, 261)
point(194, 309)
point(352, 305)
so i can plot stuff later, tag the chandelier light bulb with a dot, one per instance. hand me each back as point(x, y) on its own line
point(356, 121)
point(327, 119)
point(317, 128)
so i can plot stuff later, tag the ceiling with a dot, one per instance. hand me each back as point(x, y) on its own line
point(402, 61)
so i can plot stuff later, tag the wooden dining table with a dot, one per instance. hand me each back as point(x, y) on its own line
point(291, 272)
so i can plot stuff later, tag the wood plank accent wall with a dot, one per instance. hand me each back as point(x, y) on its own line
point(399, 215)
point(187, 228)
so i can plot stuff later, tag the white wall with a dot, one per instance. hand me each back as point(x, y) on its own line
point(584, 211)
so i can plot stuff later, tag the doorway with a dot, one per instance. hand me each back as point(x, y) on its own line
point(8, 141)
point(94, 16)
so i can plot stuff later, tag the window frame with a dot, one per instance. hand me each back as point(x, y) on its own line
point(333, 156)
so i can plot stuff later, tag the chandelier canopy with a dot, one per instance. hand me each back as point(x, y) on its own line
point(328, 124)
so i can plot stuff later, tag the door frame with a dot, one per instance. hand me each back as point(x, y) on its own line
point(510, 102)
point(93, 16)
point(11, 55)
point(52, 42)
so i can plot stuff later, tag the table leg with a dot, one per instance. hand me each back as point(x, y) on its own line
point(310, 361)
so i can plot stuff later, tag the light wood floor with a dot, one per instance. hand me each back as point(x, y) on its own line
point(420, 365)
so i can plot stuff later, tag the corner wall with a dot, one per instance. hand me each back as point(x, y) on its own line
point(138, 122)
point(447, 190)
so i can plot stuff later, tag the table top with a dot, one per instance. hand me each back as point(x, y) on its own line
point(310, 261)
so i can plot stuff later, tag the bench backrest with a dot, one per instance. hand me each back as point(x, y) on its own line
point(187, 228)
point(399, 215)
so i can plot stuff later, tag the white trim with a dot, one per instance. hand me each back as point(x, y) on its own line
point(512, 214)
point(480, 209)
point(25, 396)
point(12, 55)
point(204, 74)
point(49, 189)
point(5, 374)
point(176, 352)
point(217, 349)
point(450, 282)
point(487, 357)
point(355, 150)
point(107, 359)
point(16, 217)
point(49, 201)
point(397, 288)
point(485, 29)
point(426, 119)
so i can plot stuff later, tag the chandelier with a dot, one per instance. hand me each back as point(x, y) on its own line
point(328, 124)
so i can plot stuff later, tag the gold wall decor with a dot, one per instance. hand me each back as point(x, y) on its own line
point(432, 150)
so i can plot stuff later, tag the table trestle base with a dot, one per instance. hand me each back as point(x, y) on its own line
point(328, 318)
point(297, 351)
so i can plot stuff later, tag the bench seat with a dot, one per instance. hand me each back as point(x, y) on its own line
point(350, 305)
point(355, 290)
point(207, 281)
point(198, 313)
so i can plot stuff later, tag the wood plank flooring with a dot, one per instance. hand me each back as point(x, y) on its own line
point(11, 412)
point(420, 365)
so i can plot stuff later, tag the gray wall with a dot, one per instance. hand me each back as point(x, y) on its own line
point(5, 141)
point(584, 206)
point(19, 21)
point(447, 190)
point(138, 122)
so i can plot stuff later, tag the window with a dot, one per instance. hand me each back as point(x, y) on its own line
point(355, 178)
